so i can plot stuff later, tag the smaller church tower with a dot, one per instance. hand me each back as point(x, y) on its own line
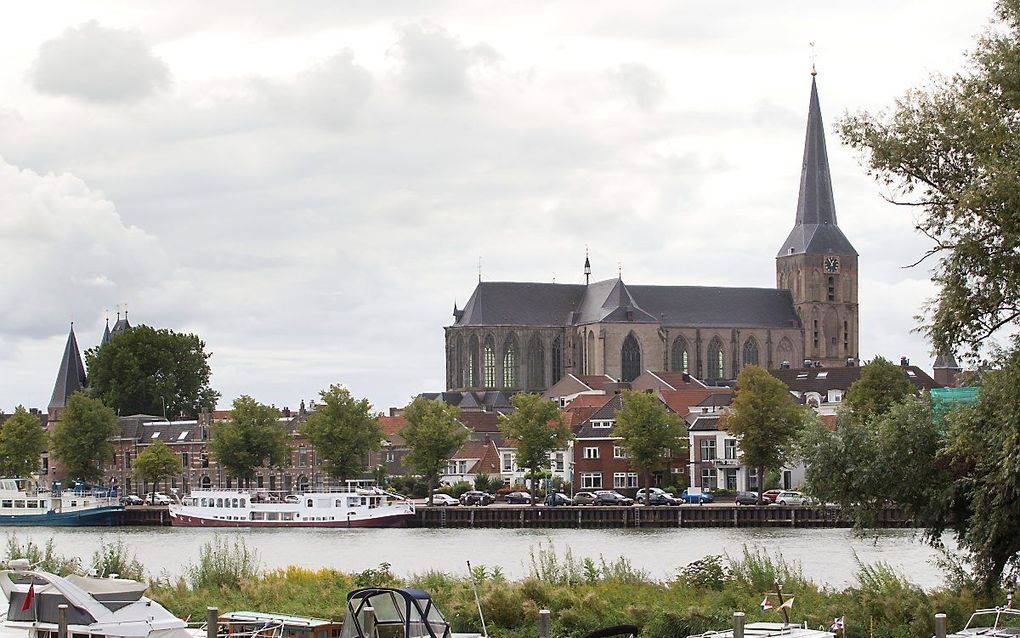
point(817, 263)
point(70, 378)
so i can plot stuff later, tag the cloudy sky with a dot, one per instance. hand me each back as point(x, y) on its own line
point(310, 185)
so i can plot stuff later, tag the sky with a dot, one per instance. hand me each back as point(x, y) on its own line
point(311, 186)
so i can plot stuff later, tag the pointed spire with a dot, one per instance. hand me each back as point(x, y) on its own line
point(106, 334)
point(587, 267)
point(70, 376)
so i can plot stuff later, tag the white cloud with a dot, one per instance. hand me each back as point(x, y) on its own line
point(435, 63)
point(639, 84)
point(99, 64)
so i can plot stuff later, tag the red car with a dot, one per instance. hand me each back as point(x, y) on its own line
point(769, 497)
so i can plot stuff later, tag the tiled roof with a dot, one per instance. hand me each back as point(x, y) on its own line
point(681, 401)
point(391, 425)
point(589, 401)
point(481, 421)
point(595, 381)
point(471, 450)
point(677, 380)
point(821, 380)
point(489, 463)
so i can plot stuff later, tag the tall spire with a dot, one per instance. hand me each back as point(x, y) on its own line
point(587, 268)
point(815, 230)
point(70, 376)
point(106, 333)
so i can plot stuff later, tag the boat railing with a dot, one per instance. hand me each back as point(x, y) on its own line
point(243, 628)
point(1002, 614)
point(281, 494)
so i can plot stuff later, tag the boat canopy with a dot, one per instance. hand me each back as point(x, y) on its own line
point(399, 613)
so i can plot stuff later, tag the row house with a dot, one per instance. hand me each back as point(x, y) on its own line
point(472, 460)
point(571, 386)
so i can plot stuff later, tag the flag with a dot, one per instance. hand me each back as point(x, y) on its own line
point(765, 604)
point(28, 598)
point(787, 604)
point(187, 618)
point(837, 623)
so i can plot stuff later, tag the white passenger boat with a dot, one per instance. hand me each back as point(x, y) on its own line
point(995, 623)
point(22, 502)
point(353, 507)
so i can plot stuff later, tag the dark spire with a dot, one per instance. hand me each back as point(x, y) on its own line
point(106, 334)
point(815, 230)
point(587, 268)
point(70, 376)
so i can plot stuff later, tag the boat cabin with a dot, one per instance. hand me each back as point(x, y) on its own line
point(999, 622)
point(397, 613)
point(245, 623)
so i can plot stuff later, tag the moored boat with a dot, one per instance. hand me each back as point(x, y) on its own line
point(352, 507)
point(997, 622)
point(22, 502)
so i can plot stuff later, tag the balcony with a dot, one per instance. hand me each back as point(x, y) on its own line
point(723, 463)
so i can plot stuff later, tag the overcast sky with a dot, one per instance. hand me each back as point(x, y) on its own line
point(309, 186)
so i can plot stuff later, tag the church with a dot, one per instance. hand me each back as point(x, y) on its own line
point(523, 336)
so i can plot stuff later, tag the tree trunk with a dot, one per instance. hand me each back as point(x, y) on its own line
point(534, 491)
point(648, 488)
point(761, 485)
point(431, 488)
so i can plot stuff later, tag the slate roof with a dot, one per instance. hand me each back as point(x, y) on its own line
point(70, 375)
point(705, 423)
point(815, 231)
point(106, 334)
point(530, 304)
point(121, 325)
point(682, 401)
point(803, 380)
point(488, 400)
point(946, 361)
point(607, 411)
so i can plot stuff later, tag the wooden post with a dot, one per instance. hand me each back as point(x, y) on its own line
point(368, 623)
point(62, 621)
point(940, 626)
point(544, 624)
point(212, 620)
point(738, 624)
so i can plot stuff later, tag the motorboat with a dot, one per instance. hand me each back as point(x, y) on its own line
point(243, 623)
point(350, 507)
point(770, 630)
point(23, 502)
point(996, 623)
point(396, 612)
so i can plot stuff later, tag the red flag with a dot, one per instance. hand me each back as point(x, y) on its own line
point(28, 598)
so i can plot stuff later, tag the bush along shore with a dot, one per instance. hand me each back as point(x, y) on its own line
point(582, 595)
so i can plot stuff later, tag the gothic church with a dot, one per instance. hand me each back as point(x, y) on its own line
point(526, 336)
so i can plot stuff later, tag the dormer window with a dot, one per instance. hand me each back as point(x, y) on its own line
point(602, 423)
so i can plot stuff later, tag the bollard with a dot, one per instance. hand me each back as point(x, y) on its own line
point(61, 621)
point(368, 622)
point(738, 624)
point(940, 626)
point(212, 619)
point(544, 624)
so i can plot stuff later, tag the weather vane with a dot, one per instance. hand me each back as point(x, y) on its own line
point(813, 56)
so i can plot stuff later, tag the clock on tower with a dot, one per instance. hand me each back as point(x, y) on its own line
point(831, 265)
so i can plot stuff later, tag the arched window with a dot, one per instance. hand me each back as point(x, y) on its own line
point(750, 352)
point(831, 295)
point(510, 363)
point(472, 369)
point(630, 359)
point(458, 366)
point(489, 363)
point(557, 360)
point(205, 483)
point(785, 351)
point(679, 360)
point(536, 364)
point(589, 355)
point(716, 359)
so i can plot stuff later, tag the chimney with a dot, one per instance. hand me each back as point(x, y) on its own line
point(784, 365)
point(286, 412)
point(904, 361)
point(686, 377)
point(807, 363)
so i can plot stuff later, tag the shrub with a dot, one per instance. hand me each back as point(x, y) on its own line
point(44, 558)
point(759, 572)
point(222, 563)
point(116, 558)
point(709, 572)
point(483, 483)
point(458, 488)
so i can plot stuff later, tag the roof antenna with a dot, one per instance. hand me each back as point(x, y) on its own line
point(554, 276)
point(813, 71)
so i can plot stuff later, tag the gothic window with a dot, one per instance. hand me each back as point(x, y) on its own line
point(510, 363)
point(472, 371)
point(589, 355)
point(750, 352)
point(846, 337)
point(489, 363)
point(449, 365)
point(536, 363)
point(458, 366)
point(785, 350)
point(630, 359)
point(831, 296)
point(557, 360)
point(831, 328)
point(678, 357)
point(716, 360)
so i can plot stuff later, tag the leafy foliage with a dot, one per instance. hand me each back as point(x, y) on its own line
point(156, 463)
point(948, 152)
point(538, 429)
point(142, 367)
point(433, 435)
point(252, 437)
point(710, 572)
point(881, 384)
point(343, 431)
point(81, 439)
point(116, 558)
point(22, 443)
point(224, 563)
point(649, 431)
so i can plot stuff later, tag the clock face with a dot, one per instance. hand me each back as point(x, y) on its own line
point(832, 264)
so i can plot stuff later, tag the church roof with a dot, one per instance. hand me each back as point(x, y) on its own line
point(946, 360)
point(70, 376)
point(532, 304)
point(106, 334)
point(815, 231)
point(122, 324)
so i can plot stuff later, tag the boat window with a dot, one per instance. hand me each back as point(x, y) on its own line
point(219, 502)
point(6, 503)
point(272, 516)
point(236, 504)
point(339, 502)
point(256, 516)
point(244, 502)
point(22, 503)
point(33, 504)
point(309, 503)
point(353, 502)
point(288, 516)
point(205, 502)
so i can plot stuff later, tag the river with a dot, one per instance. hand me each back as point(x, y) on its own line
point(827, 556)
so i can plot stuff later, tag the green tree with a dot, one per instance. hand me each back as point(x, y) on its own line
point(538, 429)
point(22, 443)
point(948, 153)
point(433, 435)
point(156, 463)
point(881, 385)
point(343, 432)
point(650, 432)
point(253, 437)
point(149, 371)
point(81, 439)
point(766, 421)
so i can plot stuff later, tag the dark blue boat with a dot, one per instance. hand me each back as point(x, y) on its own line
point(95, 516)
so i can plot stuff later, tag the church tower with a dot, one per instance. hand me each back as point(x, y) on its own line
point(817, 263)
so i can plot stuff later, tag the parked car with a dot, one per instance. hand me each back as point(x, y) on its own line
point(518, 498)
point(475, 497)
point(131, 499)
point(658, 496)
point(746, 498)
point(584, 498)
point(444, 500)
point(769, 496)
point(612, 497)
point(292, 498)
point(157, 498)
point(703, 497)
point(792, 498)
point(558, 498)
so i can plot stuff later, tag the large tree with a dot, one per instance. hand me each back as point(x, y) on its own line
point(148, 371)
point(650, 432)
point(343, 431)
point(156, 463)
point(433, 434)
point(253, 437)
point(949, 153)
point(81, 439)
point(766, 421)
point(22, 443)
point(881, 385)
point(537, 429)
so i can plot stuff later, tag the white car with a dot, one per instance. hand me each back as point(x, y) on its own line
point(157, 498)
point(444, 500)
point(792, 498)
